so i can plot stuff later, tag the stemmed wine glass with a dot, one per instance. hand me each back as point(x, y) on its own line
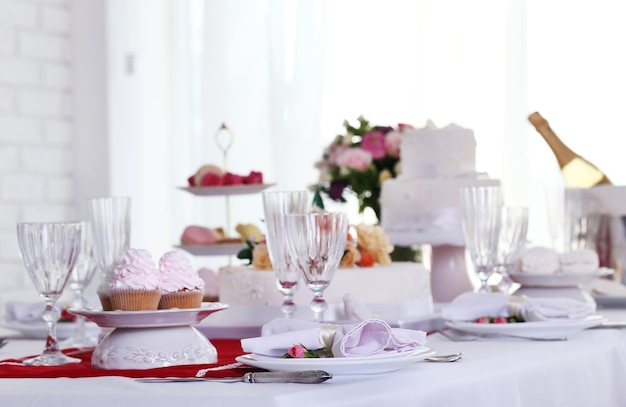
point(276, 205)
point(316, 243)
point(82, 274)
point(480, 210)
point(49, 251)
point(110, 222)
point(512, 237)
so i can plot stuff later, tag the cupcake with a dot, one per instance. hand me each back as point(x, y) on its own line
point(104, 292)
point(180, 284)
point(134, 284)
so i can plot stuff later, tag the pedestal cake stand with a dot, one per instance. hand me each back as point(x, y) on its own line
point(150, 339)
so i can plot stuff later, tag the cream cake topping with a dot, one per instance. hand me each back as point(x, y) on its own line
point(136, 271)
point(176, 273)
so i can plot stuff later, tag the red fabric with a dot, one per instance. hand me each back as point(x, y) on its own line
point(227, 350)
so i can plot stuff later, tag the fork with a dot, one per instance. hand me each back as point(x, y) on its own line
point(459, 336)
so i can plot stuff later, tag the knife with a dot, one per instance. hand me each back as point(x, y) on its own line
point(610, 325)
point(303, 376)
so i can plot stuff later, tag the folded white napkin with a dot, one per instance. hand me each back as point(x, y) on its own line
point(16, 311)
point(371, 337)
point(469, 306)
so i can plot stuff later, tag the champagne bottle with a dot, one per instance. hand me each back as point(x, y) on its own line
point(577, 172)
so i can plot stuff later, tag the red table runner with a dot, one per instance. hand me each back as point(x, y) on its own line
point(227, 350)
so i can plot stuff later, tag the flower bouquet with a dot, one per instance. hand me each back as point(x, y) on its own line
point(359, 161)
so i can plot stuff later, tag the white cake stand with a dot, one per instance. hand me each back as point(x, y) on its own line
point(150, 339)
point(448, 271)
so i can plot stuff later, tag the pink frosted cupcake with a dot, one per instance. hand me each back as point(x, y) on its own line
point(134, 284)
point(180, 284)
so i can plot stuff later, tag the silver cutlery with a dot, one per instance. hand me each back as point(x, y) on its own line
point(444, 358)
point(304, 376)
point(3, 341)
point(458, 336)
point(611, 325)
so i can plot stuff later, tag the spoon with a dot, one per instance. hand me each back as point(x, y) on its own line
point(445, 358)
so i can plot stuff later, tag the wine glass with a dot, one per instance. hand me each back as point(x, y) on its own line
point(49, 251)
point(573, 219)
point(480, 210)
point(82, 274)
point(316, 243)
point(276, 205)
point(512, 237)
point(110, 222)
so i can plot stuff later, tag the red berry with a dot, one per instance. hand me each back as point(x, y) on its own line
point(500, 320)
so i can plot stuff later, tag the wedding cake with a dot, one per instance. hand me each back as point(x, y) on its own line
point(365, 276)
point(421, 205)
point(399, 281)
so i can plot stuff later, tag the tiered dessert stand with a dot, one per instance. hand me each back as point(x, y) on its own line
point(222, 249)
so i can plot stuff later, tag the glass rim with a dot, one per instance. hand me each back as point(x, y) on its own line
point(69, 222)
point(106, 198)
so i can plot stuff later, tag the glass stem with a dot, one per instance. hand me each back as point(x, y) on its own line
point(80, 332)
point(319, 306)
point(289, 307)
point(51, 315)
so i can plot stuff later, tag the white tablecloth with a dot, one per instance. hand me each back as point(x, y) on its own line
point(589, 369)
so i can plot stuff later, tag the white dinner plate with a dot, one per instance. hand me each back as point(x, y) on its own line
point(340, 366)
point(540, 329)
point(150, 319)
point(227, 189)
point(558, 280)
point(39, 330)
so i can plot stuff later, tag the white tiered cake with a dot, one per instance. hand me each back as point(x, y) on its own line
point(421, 205)
point(366, 277)
point(397, 282)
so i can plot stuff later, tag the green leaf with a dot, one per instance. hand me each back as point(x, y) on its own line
point(317, 200)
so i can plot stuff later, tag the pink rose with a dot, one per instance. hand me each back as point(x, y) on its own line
point(335, 151)
point(374, 142)
point(392, 143)
point(500, 320)
point(482, 320)
point(356, 158)
point(297, 351)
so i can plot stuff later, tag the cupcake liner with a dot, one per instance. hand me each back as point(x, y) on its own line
point(135, 300)
point(105, 301)
point(181, 299)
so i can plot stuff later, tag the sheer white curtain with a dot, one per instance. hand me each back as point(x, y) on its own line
point(283, 75)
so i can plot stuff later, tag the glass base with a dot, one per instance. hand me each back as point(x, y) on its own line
point(50, 359)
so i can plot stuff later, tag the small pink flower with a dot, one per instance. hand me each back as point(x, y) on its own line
point(356, 158)
point(482, 320)
point(297, 351)
point(500, 320)
point(392, 143)
point(334, 152)
point(374, 142)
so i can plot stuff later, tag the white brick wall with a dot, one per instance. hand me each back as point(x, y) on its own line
point(36, 138)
